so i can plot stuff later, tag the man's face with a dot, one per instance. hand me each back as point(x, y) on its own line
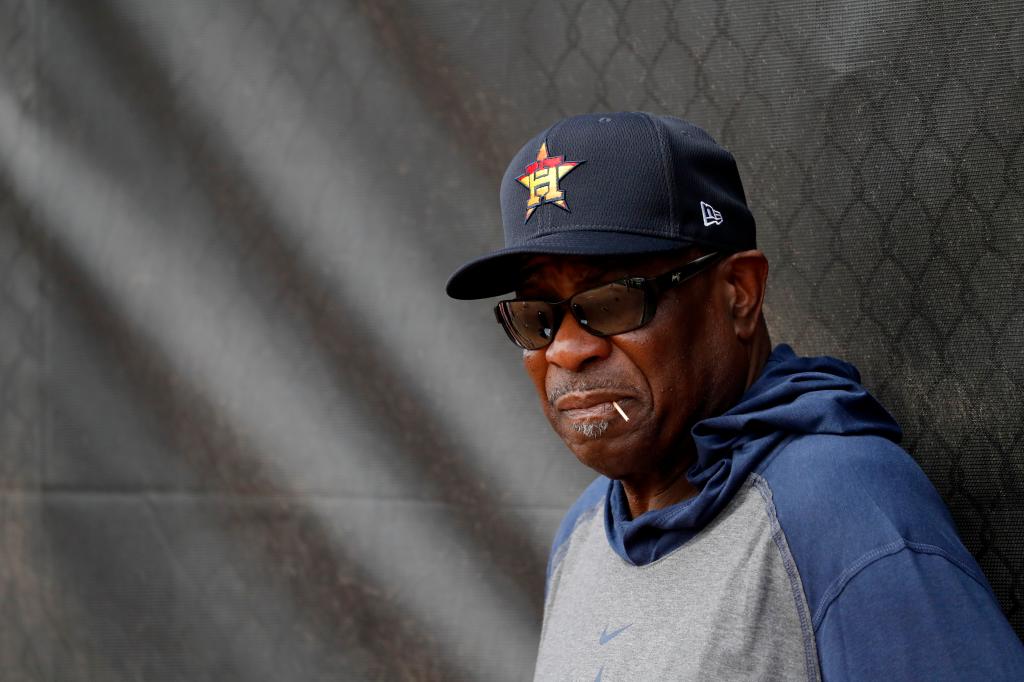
point(666, 375)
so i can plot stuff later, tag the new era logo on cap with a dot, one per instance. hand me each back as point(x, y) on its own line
point(711, 216)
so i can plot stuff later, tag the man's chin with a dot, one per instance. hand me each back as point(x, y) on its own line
point(598, 446)
point(591, 430)
point(586, 434)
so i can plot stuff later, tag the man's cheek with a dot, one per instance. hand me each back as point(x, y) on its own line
point(536, 368)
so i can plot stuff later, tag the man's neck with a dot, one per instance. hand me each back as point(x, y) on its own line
point(644, 496)
point(760, 349)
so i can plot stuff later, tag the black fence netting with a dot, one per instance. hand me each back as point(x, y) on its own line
point(244, 434)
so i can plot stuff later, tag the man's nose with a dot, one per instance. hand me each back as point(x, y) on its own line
point(573, 347)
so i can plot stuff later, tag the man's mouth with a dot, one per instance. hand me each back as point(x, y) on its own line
point(591, 404)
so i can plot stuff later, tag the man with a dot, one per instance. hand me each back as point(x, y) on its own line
point(754, 517)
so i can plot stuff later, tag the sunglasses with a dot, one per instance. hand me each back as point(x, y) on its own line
point(613, 308)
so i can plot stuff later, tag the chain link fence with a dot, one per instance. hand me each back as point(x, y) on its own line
point(244, 434)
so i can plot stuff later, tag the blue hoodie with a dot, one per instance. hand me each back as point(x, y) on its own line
point(891, 591)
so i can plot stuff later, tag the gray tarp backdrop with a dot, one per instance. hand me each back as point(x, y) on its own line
point(244, 434)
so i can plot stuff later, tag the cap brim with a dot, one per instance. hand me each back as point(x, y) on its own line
point(498, 272)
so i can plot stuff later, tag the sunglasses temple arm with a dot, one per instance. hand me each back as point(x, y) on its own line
point(691, 269)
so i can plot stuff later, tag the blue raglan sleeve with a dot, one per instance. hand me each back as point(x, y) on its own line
point(892, 591)
point(914, 613)
point(590, 497)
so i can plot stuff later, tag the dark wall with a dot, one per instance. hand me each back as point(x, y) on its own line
point(244, 434)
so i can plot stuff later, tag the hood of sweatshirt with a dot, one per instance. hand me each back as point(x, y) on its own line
point(794, 396)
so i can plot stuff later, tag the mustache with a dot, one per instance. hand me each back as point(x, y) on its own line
point(581, 385)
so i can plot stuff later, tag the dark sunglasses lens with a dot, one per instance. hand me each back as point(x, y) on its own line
point(611, 309)
point(529, 323)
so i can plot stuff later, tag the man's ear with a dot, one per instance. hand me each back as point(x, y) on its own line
point(746, 274)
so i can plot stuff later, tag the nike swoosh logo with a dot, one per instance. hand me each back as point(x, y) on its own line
point(609, 636)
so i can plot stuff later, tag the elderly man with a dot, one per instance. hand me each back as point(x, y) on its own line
point(754, 517)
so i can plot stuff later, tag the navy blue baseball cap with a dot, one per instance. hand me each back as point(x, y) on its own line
point(612, 184)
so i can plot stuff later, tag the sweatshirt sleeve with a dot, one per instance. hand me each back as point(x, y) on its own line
point(915, 613)
point(592, 496)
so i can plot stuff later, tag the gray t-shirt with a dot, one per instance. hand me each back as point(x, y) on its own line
point(726, 605)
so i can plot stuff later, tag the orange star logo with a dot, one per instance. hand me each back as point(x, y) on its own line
point(541, 178)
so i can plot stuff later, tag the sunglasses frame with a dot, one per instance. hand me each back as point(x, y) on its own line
point(652, 287)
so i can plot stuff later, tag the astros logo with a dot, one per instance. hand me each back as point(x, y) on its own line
point(541, 178)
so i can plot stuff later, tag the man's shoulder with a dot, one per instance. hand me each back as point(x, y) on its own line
point(843, 502)
point(587, 504)
point(864, 476)
point(881, 566)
